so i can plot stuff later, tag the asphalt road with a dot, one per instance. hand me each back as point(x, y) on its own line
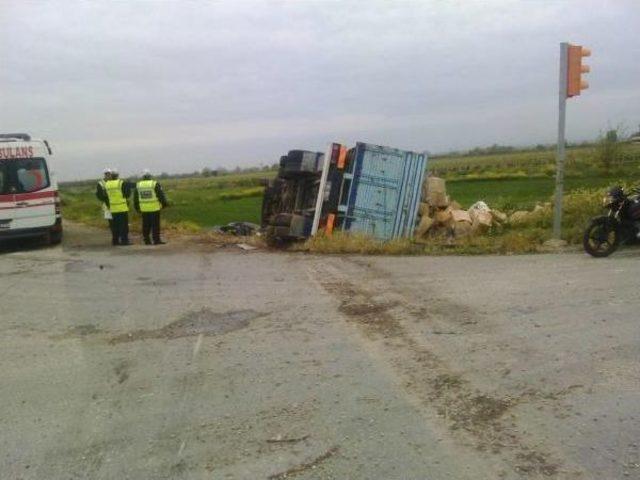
point(189, 361)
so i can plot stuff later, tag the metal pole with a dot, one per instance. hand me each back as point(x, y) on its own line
point(562, 107)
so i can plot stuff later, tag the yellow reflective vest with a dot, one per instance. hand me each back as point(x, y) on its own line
point(117, 202)
point(147, 198)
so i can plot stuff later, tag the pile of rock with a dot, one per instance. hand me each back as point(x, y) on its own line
point(439, 215)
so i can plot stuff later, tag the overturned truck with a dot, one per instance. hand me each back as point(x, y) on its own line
point(369, 189)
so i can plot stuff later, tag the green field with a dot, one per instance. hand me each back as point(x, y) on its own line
point(515, 181)
point(194, 202)
point(520, 193)
point(508, 182)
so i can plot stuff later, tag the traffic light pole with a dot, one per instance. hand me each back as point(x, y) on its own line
point(560, 154)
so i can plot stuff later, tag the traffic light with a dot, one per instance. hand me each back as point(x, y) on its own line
point(575, 69)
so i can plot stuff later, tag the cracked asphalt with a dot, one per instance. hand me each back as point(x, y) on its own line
point(192, 361)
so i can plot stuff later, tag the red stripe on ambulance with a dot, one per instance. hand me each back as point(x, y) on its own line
point(20, 197)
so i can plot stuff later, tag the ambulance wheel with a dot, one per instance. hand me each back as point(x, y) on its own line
point(54, 238)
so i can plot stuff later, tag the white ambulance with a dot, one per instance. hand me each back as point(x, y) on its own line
point(29, 199)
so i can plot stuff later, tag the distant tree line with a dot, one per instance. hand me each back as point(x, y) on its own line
point(204, 172)
point(497, 149)
point(219, 171)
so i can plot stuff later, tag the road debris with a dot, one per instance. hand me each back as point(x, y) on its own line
point(312, 464)
point(242, 229)
point(435, 193)
point(281, 439)
point(442, 216)
point(524, 217)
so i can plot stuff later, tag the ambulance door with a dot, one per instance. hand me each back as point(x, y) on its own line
point(35, 196)
point(7, 199)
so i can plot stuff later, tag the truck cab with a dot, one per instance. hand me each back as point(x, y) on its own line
point(29, 198)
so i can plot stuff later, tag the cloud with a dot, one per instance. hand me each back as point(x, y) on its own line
point(233, 83)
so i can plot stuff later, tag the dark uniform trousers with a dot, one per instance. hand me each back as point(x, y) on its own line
point(151, 226)
point(120, 228)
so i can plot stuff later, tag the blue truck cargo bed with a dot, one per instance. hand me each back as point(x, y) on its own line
point(381, 191)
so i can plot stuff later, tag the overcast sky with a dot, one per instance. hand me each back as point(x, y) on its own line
point(177, 86)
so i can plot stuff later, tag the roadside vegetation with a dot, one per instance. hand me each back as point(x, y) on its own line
point(526, 237)
point(508, 181)
point(515, 181)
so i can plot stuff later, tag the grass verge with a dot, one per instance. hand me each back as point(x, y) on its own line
point(511, 242)
point(526, 237)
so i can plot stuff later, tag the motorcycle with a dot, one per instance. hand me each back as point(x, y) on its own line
point(620, 225)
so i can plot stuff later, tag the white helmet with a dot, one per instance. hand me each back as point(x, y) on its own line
point(146, 172)
point(106, 170)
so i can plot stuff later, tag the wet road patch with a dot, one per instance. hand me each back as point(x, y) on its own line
point(197, 322)
point(79, 266)
point(121, 369)
point(81, 331)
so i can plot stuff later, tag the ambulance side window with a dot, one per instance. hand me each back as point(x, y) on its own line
point(4, 180)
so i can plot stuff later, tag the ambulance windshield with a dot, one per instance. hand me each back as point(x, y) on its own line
point(23, 175)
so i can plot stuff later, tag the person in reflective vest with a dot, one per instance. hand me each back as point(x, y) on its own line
point(102, 193)
point(116, 193)
point(149, 199)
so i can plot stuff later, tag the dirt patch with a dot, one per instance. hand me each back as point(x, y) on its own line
point(121, 369)
point(474, 417)
point(16, 272)
point(234, 439)
point(77, 266)
point(179, 468)
point(197, 322)
point(157, 283)
point(446, 381)
point(484, 408)
point(463, 409)
point(535, 462)
point(84, 330)
point(476, 411)
point(363, 309)
point(303, 467)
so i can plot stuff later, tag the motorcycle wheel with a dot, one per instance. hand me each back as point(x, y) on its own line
point(601, 238)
